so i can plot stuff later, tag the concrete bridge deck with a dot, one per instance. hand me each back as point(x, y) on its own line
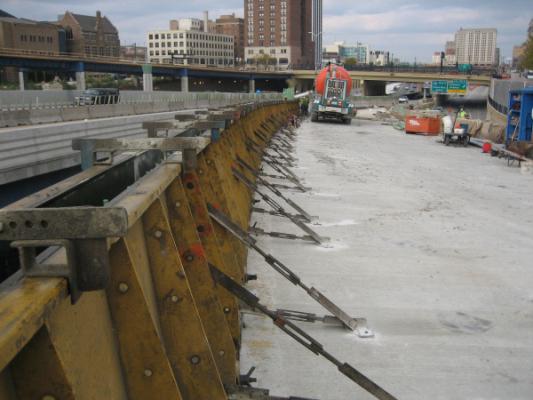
point(431, 244)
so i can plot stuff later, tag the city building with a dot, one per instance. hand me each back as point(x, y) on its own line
point(476, 46)
point(190, 41)
point(450, 57)
point(92, 36)
point(280, 31)
point(379, 57)
point(316, 32)
point(133, 53)
point(342, 51)
point(435, 59)
point(25, 34)
point(233, 26)
point(359, 51)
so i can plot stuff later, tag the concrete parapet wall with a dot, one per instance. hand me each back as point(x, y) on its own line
point(34, 150)
point(130, 103)
point(496, 116)
point(370, 101)
point(44, 116)
point(74, 113)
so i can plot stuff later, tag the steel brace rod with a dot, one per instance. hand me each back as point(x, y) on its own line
point(278, 208)
point(299, 335)
point(298, 184)
point(269, 186)
point(357, 325)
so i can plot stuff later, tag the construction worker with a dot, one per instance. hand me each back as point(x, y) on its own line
point(304, 106)
point(462, 113)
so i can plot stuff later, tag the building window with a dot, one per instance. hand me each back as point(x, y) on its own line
point(150, 36)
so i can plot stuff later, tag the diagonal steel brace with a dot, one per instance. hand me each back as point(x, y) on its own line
point(357, 325)
point(299, 335)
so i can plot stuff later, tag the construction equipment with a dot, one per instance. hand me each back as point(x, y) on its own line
point(332, 95)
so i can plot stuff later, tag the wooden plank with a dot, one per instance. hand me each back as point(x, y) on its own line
point(38, 373)
point(202, 286)
point(144, 361)
point(187, 347)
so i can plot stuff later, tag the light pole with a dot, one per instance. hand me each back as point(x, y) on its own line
point(314, 36)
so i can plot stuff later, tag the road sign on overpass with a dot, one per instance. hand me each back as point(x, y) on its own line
point(439, 86)
point(458, 86)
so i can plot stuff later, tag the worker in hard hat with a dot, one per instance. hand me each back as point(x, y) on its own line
point(462, 113)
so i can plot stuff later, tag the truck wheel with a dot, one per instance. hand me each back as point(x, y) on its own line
point(314, 117)
point(447, 140)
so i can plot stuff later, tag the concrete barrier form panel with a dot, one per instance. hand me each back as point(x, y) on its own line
point(45, 116)
point(161, 107)
point(143, 108)
point(101, 111)
point(75, 113)
point(124, 109)
point(15, 118)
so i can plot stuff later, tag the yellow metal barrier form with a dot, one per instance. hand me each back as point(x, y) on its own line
point(161, 328)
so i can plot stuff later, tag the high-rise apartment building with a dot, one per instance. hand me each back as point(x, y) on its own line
point(281, 30)
point(190, 41)
point(317, 32)
point(233, 26)
point(476, 46)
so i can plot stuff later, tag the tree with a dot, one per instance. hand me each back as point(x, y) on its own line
point(350, 62)
point(526, 61)
point(265, 59)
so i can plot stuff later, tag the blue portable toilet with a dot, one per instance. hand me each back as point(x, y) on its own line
point(519, 117)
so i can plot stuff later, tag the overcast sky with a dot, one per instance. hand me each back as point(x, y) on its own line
point(407, 28)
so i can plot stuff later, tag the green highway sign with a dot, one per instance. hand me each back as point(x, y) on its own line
point(457, 86)
point(439, 86)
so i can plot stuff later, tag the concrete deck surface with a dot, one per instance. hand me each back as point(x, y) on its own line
point(432, 244)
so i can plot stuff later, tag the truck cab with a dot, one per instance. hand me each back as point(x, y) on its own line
point(334, 103)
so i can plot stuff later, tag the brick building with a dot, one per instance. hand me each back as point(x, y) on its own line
point(233, 26)
point(25, 34)
point(280, 30)
point(92, 36)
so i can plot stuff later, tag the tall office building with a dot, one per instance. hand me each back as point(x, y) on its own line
point(280, 29)
point(234, 26)
point(317, 32)
point(476, 46)
point(191, 41)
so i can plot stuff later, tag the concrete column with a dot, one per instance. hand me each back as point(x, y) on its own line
point(80, 76)
point(148, 82)
point(184, 84)
point(22, 79)
point(251, 85)
point(80, 80)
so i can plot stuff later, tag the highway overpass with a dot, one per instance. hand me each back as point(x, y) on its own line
point(199, 78)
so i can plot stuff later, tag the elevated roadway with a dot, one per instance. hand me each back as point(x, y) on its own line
point(80, 64)
point(391, 76)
